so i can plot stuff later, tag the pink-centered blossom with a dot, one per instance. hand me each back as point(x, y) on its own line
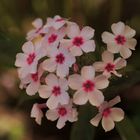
point(32, 82)
point(28, 60)
point(108, 114)
point(108, 65)
point(88, 86)
point(80, 40)
point(52, 38)
point(60, 60)
point(39, 29)
point(57, 22)
point(63, 113)
point(121, 41)
point(55, 90)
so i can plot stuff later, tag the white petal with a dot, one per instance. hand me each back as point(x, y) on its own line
point(107, 56)
point(113, 48)
point(96, 98)
point(117, 114)
point(36, 113)
point(60, 123)
point(73, 116)
point(107, 37)
point(64, 98)
point(118, 28)
point(73, 30)
point(95, 120)
point(37, 23)
point(80, 98)
point(51, 80)
point(75, 81)
point(20, 60)
point(52, 102)
point(120, 63)
point(52, 115)
point(28, 47)
point(88, 46)
point(125, 52)
point(70, 59)
point(63, 83)
point(131, 43)
point(101, 82)
point(76, 51)
point(62, 71)
point(32, 88)
point(114, 101)
point(107, 123)
point(49, 65)
point(129, 32)
point(87, 32)
point(88, 72)
point(23, 72)
point(99, 66)
point(44, 92)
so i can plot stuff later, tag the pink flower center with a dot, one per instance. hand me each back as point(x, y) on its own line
point(78, 41)
point(60, 58)
point(35, 77)
point(109, 67)
point(56, 90)
point(30, 58)
point(88, 86)
point(59, 20)
point(120, 40)
point(62, 111)
point(106, 112)
point(52, 38)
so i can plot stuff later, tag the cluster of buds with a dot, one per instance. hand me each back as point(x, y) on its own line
point(48, 67)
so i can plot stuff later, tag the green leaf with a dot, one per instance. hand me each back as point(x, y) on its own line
point(82, 129)
point(126, 130)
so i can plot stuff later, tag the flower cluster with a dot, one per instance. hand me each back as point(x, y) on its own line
point(48, 66)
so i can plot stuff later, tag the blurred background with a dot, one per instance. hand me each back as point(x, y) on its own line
point(15, 106)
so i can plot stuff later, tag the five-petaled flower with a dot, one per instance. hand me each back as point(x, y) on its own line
point(56, 90)
point(109, 65)
point(28, 60)
point(79, 40)
point(108, 114)
point(121, 40)
point(63, 113)
point(88, 86)
point(60, 60)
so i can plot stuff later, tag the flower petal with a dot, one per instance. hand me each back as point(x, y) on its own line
point(101, 82)
point(75, 81)
point(107, 37)
point(107, 56)
point(114, 101)
point(88, 72)
point(118, 28)
point(120, 63)
point(96, 98)
point(95, 120)
point(80, 98)
point(49, 65)
point(28, 47)
point(129, 32)
point(113, 48)
point(99, 66)
point(20, 60)
point(63, 83)
point(117, 114)
point(131, 43)
point(107, 123)
point(44, 92)
point(37, 23)
point(87, 32)
point(61, 123)
point(64, 98)
point(73, 30)
point(51, 80)
point(76, 51)
point(88, 46)
point(125, 52)
point(52, 102)
point(52, 115)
